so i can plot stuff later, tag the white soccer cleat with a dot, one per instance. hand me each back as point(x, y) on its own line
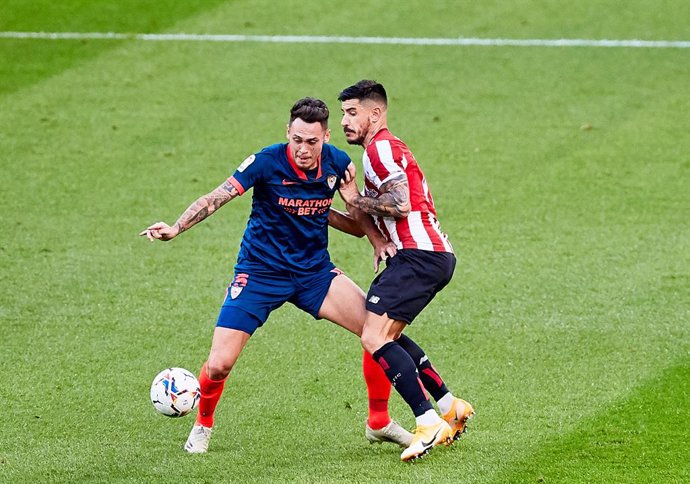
point(425, 438)
point(393, 432)
point(197, 442)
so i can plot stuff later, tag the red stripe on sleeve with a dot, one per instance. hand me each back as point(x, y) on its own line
point(238, 186)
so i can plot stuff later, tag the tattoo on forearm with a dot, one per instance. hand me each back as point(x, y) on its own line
point(394, 202)
point(197, 212)
point(206, 205)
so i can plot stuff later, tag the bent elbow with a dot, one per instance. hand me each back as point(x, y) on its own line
point(404, 210)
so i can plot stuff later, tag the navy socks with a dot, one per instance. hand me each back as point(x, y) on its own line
point(401, 370)
point(431, 380)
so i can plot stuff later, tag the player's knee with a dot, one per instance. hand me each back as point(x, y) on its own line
point(218, 368)
point(371, 341)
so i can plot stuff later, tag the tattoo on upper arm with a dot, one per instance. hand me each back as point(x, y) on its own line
point(230, 188)
point(222, 195)
point(393, 202)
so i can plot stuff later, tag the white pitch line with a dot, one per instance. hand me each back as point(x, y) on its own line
point(321, 39)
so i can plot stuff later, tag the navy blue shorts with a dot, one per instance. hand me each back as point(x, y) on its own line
point(409, 282)
point(252, 296)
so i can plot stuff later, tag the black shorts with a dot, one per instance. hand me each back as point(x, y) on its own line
point(409, 282)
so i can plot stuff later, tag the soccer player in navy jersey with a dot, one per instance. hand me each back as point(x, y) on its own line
point(397, 197)
point(283, 257)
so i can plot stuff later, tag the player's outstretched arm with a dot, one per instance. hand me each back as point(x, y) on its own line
point(383, 248)
point(197, 211)
point(359, 226)
point(394, 200)
point(344, 222)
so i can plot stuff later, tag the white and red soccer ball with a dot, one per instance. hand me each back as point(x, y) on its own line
point(175, 392)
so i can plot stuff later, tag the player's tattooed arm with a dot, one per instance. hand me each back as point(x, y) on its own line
point(197, 211)
point(394, 200)
point(205, 206)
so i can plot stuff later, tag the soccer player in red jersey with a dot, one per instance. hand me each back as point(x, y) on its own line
point(397, 197)
point(284, 258)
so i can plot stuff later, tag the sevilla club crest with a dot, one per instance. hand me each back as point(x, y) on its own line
point(239, 283)
point(331, 181)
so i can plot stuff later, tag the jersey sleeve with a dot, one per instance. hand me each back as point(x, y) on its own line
point(342, 161)
point(386, 161)
point(251, 171)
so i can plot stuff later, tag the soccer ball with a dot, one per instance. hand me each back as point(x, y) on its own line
point(175, 392)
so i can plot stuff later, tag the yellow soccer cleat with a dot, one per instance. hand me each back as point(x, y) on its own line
point(427, 437)
point(457, 417)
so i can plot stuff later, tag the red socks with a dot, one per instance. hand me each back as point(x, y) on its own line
point(378, 391)
point(211, 390)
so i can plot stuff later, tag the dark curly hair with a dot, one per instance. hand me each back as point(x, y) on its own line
point(310, 110)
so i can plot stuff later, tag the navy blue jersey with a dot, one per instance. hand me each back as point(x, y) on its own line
point(288, 225)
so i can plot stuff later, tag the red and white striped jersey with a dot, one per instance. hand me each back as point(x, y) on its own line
point(385, 157)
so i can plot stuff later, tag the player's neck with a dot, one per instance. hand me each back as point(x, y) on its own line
point(375, 129)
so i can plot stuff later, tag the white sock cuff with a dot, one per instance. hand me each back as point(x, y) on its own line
point(430, 417)
point(445, 403)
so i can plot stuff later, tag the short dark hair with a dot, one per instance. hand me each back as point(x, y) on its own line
point(365, 89)
point(310, 110)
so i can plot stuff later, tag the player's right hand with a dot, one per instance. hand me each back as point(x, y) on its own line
point(160, 231)
point(350, 173)
point(382, 253)
point(348, 185)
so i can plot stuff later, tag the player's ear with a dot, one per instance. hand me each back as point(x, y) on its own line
point(375, 114)
point(327, 136)
point(287, 131)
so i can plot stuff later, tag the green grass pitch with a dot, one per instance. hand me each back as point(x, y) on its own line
point(562, 176)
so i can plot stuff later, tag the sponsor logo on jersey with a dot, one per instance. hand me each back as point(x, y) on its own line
point(248, 161)
point(299, 206)
point(331, 181)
